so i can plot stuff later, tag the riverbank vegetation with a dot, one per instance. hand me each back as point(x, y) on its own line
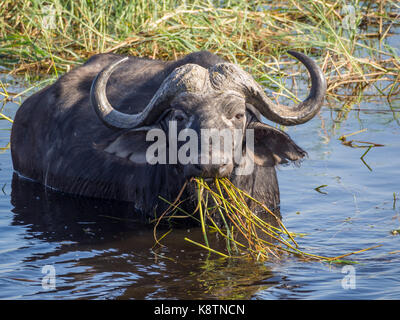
point(349, 39)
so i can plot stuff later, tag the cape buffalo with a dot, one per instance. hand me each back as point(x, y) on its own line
point(86, 134)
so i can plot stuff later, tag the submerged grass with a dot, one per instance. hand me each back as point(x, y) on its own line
point(229, 212)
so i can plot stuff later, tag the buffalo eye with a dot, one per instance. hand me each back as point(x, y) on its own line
point(239, 116)
point(178, 116)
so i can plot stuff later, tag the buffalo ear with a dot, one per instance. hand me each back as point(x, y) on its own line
point(133, 146)
point(273, 146)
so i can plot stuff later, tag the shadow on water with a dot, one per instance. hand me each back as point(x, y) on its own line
point(99, 251)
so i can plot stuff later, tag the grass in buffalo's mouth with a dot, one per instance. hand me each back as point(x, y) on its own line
point(243, 231)
point(227, 211)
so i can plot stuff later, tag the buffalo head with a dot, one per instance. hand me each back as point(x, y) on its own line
point(219, 97)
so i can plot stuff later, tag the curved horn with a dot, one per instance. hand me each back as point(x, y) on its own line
point(102, 106)
point(189, 77)
point(226, 75)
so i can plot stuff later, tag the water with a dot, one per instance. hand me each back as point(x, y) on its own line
point(98, 252)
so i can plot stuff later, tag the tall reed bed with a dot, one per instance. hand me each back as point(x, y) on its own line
point(349, 39)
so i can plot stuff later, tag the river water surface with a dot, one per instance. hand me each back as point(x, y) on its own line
point(335, 201)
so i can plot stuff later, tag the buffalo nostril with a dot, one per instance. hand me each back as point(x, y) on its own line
point(225, 170)
point(198, 167)
point(210, 171)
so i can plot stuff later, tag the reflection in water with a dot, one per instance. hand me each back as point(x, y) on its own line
point(101, 250)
